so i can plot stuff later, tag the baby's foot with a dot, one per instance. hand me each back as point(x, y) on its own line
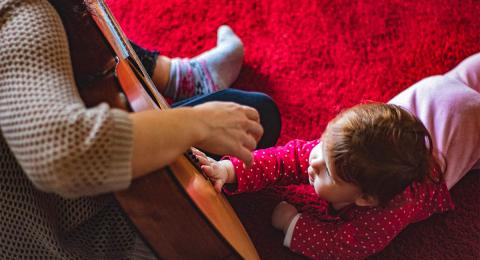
point(209, 72)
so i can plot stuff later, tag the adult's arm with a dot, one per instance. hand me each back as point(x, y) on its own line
point(71, 150)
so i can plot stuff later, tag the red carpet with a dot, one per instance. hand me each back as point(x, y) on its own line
point(316, 58)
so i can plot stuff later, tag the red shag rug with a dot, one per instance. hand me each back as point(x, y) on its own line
point(316, 57)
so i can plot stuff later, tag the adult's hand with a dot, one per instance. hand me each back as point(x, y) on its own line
point(229, 128)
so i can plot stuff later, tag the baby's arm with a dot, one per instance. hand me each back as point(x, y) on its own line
point(367, 233)
point(283, 215)
point(279, 165)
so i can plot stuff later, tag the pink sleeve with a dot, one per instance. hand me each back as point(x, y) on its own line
point(280, 165)
point(449, 107)
point(357, 238)
point(468, 72)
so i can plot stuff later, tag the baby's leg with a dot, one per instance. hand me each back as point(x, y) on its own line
point(468, 72)
point(450, 109)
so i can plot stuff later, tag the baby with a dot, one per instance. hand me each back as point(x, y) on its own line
point(378, 167)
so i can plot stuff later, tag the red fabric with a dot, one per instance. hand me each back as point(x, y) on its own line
point(315, 58)
point(352, 232)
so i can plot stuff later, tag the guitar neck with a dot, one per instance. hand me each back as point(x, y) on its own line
point(122, 47)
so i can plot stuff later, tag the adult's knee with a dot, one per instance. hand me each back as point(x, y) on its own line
point(269, 117)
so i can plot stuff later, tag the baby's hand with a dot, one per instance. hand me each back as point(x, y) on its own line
point(282, 215)
point(216, 171)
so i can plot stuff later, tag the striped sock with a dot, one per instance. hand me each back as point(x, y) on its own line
point(209, 72)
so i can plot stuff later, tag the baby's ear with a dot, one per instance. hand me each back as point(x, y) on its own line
point(366, 200)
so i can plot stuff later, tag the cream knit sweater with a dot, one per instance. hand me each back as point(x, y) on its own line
point(59, 160)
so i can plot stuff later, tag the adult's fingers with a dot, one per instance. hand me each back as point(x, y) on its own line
point(249, 142)
point(245, 155)
point(255, 129)
point(251, 113)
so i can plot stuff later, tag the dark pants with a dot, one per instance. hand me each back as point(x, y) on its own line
point(268, 110)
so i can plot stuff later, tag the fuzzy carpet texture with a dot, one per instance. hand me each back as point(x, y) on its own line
point(315, 58)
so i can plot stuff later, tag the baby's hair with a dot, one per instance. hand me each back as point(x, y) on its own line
point(382, 148)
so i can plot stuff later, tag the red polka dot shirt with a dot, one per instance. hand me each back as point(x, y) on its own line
point(352, 232)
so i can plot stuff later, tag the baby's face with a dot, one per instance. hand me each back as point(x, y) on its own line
point(327, 184)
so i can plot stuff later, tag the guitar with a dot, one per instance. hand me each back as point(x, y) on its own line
point(176, 209)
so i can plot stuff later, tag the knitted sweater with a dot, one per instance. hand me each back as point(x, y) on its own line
point(59, 160)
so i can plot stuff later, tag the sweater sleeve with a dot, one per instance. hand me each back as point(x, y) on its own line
point(281, 165)
point(62, 146)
